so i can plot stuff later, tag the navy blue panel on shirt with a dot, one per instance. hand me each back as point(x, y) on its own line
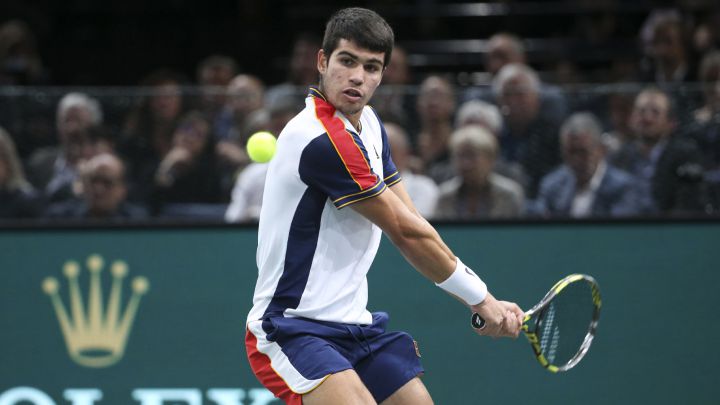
point(322, 168)
point(390, 171)
point(301, 245)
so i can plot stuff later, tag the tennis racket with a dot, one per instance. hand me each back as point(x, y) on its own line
point(562, 325)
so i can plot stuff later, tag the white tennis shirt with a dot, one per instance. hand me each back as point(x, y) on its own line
point(313, 256)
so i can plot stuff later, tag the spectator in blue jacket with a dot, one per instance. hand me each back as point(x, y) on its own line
point(585, 185)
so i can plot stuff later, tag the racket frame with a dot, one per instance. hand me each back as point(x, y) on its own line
point(534, 339)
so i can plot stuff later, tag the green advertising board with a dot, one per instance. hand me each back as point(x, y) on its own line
point(156, 316)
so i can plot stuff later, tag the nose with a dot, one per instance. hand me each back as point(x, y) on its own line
point(357, 75)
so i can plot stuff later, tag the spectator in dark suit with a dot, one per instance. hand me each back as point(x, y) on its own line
point(18, 199)
point(527, 137)
point(668, 165)
point(103, 194)
point(586, 185)
point(54, 169)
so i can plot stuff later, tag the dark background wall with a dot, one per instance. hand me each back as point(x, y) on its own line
point(86, 42)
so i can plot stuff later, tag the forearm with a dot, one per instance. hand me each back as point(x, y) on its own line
point(422, 246)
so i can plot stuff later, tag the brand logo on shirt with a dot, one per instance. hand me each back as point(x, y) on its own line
point(377, 156)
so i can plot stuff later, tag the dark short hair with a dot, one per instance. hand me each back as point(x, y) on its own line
point(363, 27)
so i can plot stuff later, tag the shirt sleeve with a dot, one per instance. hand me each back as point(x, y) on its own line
point(339, 166)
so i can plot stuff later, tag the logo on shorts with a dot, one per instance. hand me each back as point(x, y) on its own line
point(417, 348)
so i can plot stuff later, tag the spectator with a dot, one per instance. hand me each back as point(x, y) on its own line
point(586, 185)
point(188, 172)
point(54, 169)
point(18, 199)
point(103, 193)
point(394, 101)
point(234, 125)
point(667, 61)
point(706, 126)
point(247, 193)
point(505, 49)
point(665, 48)
point(486, 115)
point(214, 73)
point(527, 137)
point(435, 109)
point(668, 166)
point(422, 190)
point(477, 192)
point(619, 107)
point(20, 61)
point(302, 72)
point(149, 128)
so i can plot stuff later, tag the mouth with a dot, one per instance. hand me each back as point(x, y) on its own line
point(353, 94)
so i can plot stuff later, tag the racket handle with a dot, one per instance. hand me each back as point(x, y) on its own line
point(477, 321)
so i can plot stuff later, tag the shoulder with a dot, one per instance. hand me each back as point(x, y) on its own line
point(556, 177)
point(505, 185)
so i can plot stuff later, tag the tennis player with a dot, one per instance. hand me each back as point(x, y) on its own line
point(331, 190)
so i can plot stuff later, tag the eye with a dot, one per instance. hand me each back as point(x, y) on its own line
point(347, 61)
point(372, 68)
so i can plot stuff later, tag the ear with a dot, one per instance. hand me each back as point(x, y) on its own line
point(322, 62)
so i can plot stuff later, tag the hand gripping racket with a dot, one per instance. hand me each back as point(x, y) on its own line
point(562, 325)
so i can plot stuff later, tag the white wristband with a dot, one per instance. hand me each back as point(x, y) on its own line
point(465, 284)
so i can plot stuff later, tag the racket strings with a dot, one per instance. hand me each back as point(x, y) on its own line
point(562, 326)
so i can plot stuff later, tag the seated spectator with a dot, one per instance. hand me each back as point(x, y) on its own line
point(586, 185)
point(18, 199)
point(103, 193)
point(214, 73)
point(54, 169)
point(668, 61)
point(435, 109)
point(422, 190)
point(618, 107)
point(247, 193)
point(393, 101)
point(149, 127)
point(477, 192)
point(667, 165)
point(486, 115)
point(245, 100)
point(188, 172)
point(301, 73)
point(20, 62)
point(527, 137)
point(505, 49)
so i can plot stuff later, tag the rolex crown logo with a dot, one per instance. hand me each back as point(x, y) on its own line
point(96, 336)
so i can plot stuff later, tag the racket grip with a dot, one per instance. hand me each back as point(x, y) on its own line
point(477, 321)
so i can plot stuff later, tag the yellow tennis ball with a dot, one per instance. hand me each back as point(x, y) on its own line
point(261, 146)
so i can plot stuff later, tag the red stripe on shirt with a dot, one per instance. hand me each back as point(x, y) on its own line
point(345, 145)
point(260, 364)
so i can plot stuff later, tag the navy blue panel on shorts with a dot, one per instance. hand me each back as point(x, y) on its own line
point(385, 361)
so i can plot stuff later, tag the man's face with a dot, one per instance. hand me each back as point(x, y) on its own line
point(436, 101)
point(519, 100)
point(650, 120)
point(245, 96)
point(349, 77)
point(500, 53)
point(582, 154)
point(472, 164)
point(104, 188)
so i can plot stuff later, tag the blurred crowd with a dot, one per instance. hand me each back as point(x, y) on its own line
point(645, 143)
